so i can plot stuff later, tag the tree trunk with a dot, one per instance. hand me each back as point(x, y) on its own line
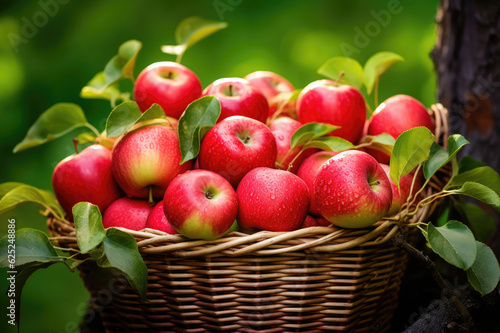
point(467, 62)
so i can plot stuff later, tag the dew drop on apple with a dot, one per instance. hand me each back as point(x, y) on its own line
point(273, 196)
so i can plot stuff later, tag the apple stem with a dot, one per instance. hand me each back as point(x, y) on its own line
point(424, 260)
point(150, 199)
point(290, 165)
point(338, 78)
point(75, 144)
point(374, 183)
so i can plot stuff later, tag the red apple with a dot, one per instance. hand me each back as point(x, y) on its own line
point(169, 84)
point(272, 199)
point(238, 97)
point(323, 101)
point(400, 195)
point(283, 129)
point(271, 85)
point(200, 204)
point(394, 116)
point(158, 221)
point(235, 146)
point(352, 190)
point(147, 157)
point(85, 177)
point(127, 213)
point(307, 172)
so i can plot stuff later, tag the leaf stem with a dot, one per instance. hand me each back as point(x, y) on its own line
point(426, 262)
point(179, 57)
point(290, 165)
point(93, 129)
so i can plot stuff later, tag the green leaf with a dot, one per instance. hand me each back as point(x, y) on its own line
point(122, 118)
point(481, 223)
point(444, 217)
point(468, 163)
point(31, 245)
point(454, 242)
point(353, 72)
point(484, 175)
point(200, 116)
point(127, 114)
point(438, 157)
point(484, 273)
point(23, 194)
point(377, 65)
point(84, 138)
point(88, 225)
point(310, 131)
point(190, 31)
point(122, 65)
point(123, 254)
point(53, 123)
point(383, 142)
point(7, 187)
point(411, 148)
point(330, 143)
point(480, 192)
point(98, 89)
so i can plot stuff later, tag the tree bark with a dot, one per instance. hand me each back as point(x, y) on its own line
point(467, 62)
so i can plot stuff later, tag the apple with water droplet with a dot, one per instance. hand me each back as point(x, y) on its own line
point(158, 221)
point(323, 101)
point(352, 190)
point(238, 97)
point(127, 213)
point(235, 146)
point(400, 195)
point(200, 204)
point(168, 84)
point(146, 159)
point(272, 199)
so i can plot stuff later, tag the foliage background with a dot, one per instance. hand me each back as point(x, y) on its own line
point(292, 38)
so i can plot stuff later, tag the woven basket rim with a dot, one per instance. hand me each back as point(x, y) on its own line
point(267, 243)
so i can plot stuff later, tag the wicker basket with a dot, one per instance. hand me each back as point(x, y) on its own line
point(318, 279)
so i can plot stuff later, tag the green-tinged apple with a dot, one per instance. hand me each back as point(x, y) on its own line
point(200, 204)
point(323, 101)
point(352, 190)
point(271, 85)
point(86, 176)
point(238, 97)
point(158, 221)
point(168, 84)
point(127, 213)
point(271, 199)
point(394, 116)
point(307, 172)
point(235, 146)
point(147, 159)
point(283, 129)
point(400, 195)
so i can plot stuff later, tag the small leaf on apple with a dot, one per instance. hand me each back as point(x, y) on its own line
point(190, 31)
point(330, 143)
point(53, 123)
point(309, 132)
point(484, 273)
point(84, 138)
point(122, 65)
point(23, 194)
point(484, 175)
point(468, 163)
point(383, 142)
point(127, 114)
point(98, 89)
point(481, 222)
point(411, 148)
point(454, 242)
point(477, 191)
point(351, 69)
point(122, 253)
point(200, 116)
point(377, 65)
point(88, 225)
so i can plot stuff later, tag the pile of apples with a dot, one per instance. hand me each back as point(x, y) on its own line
point(245, 176)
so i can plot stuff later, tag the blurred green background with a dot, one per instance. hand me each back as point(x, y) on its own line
point(74, 40)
